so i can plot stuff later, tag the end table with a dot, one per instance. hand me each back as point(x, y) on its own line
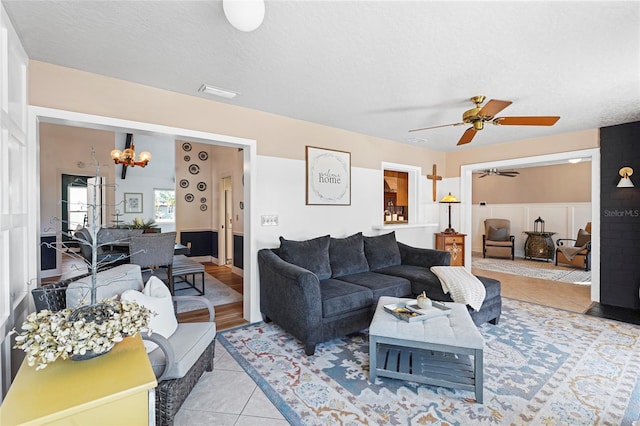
point(539, 245)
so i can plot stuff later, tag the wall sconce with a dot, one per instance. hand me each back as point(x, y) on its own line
point(449, 199)
point(625, 182)
point(128, 157)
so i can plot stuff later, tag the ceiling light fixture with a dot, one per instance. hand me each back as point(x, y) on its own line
point(575, 160)
point(128, 157)
point(216, 91)
point(625, 182)
point(244, 15)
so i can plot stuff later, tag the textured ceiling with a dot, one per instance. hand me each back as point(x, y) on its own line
point(374, 67)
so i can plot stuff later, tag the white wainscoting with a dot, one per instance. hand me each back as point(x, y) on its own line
point(565, 219)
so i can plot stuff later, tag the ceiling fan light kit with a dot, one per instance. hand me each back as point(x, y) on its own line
point(480, 114)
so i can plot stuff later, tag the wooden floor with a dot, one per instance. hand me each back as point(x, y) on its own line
point(229, 315)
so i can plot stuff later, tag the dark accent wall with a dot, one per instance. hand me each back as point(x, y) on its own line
point(238, 251)
point(48, 258)
point(203, 243)
point(619, 217)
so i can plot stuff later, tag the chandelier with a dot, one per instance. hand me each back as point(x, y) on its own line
point(128, 157)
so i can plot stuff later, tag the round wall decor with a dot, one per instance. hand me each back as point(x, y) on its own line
point(184, 183)
point(194, 169)
point(203, 207)
point(202, 186)
point(203, 200)
point(189, 197)
point(186, 146)
point(203, 155)
point(187, 158)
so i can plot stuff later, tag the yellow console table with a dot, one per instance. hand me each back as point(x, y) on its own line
point(114, 389)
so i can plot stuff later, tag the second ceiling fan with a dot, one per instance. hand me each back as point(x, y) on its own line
point(480, 114)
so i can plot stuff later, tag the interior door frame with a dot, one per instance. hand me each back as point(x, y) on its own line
point(593, 155)
point(37, 115)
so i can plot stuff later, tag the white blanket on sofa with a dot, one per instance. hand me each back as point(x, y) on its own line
point(463, 286)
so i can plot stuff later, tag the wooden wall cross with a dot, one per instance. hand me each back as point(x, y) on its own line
point(435, 178)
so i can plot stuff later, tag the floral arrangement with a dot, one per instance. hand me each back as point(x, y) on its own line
point(47, 336)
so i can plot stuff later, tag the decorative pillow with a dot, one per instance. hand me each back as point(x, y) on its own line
point(499, 234)
point(583, 238)
point(346, 255)
point(157, 297)
point(310, 254)
point(461, 284)
point(382, 251)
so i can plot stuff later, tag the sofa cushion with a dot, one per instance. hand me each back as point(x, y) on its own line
point(380, 284)
point(339, 297)
point(583, 238)
point(346, 255)
point(499, 234)
point(312, 255)
point(382, 251)
point(110, 282)
point(421, 278)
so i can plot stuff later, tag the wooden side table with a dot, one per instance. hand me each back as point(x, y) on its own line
point(454, 244)
point(539, 245)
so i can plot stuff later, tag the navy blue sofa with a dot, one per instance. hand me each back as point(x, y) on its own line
point(324, 288)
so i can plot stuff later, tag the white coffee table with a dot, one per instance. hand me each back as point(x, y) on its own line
point(436, 351)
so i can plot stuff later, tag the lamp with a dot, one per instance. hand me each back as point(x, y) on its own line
point(625, 182)
point(244, 15)
point(128, 157)
point(449, 199)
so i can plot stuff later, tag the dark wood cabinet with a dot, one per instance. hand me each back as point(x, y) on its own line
point(454, 244)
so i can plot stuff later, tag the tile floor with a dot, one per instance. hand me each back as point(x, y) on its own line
point(227, 396)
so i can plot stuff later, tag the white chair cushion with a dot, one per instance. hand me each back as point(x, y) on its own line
point(464, 287)
point(188, 343)
point(157, 298)
point(111, 282)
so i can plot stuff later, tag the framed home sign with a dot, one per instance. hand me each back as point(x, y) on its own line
point(133, 202)
point(328, 177)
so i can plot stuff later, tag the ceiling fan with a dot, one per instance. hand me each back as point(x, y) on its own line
point(494, 171)
point(480, 114)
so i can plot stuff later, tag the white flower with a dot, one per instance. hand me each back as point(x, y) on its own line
point(47, 336)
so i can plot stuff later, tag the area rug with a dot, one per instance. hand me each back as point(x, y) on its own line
point(534, 269)
point(214, 290)
point(542, 366)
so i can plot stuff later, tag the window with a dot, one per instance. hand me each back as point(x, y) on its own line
point(164, 205)
point(396, 196)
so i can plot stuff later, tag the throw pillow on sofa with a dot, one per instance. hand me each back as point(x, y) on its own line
point(157, 298)
point(310, 254)
point(346, 255)
point(382, 251)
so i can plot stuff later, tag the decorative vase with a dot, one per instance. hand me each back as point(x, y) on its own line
point(97, 313)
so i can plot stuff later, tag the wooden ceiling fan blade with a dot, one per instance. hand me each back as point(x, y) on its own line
point(436, 127)
point(467, 136)
point(527, 121)
point(493, 107)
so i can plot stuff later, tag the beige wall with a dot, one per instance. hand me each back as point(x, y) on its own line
point(67, 150)
point(560, 183)
point(567, 142)
point(278, 136)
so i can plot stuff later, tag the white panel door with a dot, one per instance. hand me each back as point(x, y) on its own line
point(18, 262)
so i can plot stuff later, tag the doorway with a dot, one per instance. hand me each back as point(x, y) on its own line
point(226, 257)
point(74, 196)
point(37, 115)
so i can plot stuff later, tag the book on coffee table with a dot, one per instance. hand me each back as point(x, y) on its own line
point(410, 311)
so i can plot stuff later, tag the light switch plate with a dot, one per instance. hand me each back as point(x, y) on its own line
point(269, 220)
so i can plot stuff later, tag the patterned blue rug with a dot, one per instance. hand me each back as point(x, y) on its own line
point(542, 366)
